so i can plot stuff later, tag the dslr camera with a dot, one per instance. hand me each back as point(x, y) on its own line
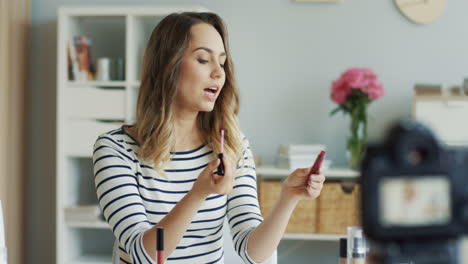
point(415, 197)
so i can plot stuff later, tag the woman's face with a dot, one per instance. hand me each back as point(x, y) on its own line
point(202, 70)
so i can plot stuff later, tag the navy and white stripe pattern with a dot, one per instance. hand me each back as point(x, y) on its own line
point(134, 197)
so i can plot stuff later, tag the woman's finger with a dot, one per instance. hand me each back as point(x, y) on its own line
point(218, 178)
point(229, 169)
point(213, 165)
point(312, 192)
point(301, 172)
point(318, 178)
point(315, 185)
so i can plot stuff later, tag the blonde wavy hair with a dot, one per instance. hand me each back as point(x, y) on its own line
point(154, 127)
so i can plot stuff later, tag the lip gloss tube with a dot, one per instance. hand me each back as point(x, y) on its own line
point(159, 245)
point(220, 170)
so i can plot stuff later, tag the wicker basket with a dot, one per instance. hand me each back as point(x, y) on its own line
point(304, 217)
point(332, 212)
point(338, 207)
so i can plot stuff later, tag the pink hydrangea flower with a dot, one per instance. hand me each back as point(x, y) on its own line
point(374, 90)
point(363, 79)
point(340, 90)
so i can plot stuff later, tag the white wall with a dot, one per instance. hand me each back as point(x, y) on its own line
point(286, 55)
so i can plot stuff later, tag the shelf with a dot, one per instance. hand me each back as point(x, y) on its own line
point(97, 224)
point(287, 236)
point(135, 84)
point(90, 259)
point(313, 237)
point(80, 135)
point(271, 172)
point(75, 84)
point(140, 10)
point(101, 104)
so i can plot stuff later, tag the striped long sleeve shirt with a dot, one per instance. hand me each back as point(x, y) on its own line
point(134, 197)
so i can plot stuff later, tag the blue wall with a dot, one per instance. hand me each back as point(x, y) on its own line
point(286, 55)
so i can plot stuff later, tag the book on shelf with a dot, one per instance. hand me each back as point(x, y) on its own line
point(299, 161)
point(293, 156)
point(72, 61)
point(438, 89)
point(80, 66)
point(300, 149)
point(83, 213)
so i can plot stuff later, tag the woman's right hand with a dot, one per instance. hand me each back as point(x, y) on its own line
point(208, 182)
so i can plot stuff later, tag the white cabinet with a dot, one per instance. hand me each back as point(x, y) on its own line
point(86, 109)
point(77, 134)
point(106, 104)
point(446, 115)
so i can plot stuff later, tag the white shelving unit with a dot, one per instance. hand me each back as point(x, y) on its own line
point(86, 109)
point(332, 174)
point(314, 237)
point(271, 172)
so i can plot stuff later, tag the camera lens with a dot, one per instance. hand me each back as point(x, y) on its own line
point(416, 156)
point(412, 144)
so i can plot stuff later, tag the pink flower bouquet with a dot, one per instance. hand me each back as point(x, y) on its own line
point(353, 92)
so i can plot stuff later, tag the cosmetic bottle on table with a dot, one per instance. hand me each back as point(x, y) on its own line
point(357, 248)
point(343, 250)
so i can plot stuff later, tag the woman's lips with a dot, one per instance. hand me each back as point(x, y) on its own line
point(210, 95)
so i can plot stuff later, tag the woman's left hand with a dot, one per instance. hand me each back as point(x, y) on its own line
point(300, 186)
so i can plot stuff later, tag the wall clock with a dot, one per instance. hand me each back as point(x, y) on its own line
point(421, 11)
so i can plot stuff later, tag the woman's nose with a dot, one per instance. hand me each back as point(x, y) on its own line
point(217, 72)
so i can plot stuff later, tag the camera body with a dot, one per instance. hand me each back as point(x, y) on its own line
point(415, 195)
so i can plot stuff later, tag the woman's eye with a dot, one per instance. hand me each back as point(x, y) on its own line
point(202, 61)
point(222, 65)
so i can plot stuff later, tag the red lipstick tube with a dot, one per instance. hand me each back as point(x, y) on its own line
point(160, 245)
point(318, 162)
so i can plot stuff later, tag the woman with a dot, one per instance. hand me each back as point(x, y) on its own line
point(160, 171)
